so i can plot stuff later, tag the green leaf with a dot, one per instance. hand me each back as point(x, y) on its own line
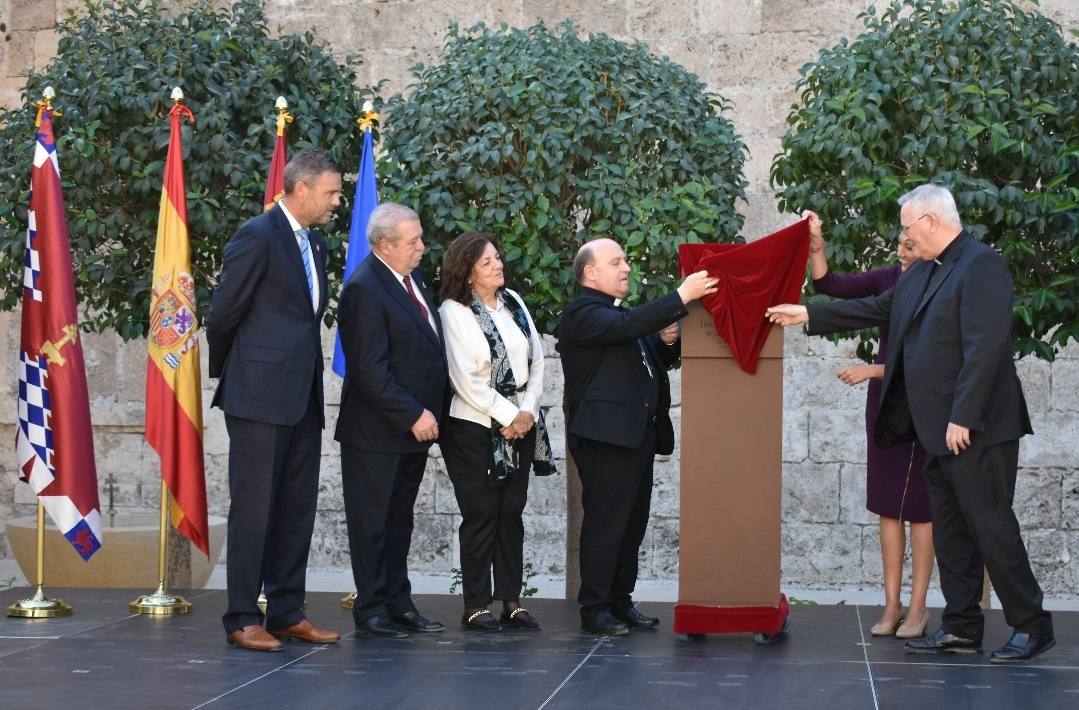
point(974, 95)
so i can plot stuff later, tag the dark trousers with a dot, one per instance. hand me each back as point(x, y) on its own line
point(616, 493)
point(380, 493)
point(273, 483)
point(974, 526)
point(492, 531)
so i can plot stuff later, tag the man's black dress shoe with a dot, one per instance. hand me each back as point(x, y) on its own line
point(383, 626)
point(1023, 648)
point(636, 619)
point(604, 624)
point(940, 641)
point(415, 621)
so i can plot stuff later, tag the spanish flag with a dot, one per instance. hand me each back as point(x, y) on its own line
point(173, 395)
point(275, 180)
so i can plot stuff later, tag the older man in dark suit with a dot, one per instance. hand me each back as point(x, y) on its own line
point(265, 346)
point(950, 381)
point(617, 396)
point(394, 395)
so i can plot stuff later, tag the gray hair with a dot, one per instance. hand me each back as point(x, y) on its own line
point(585, 257)
point(382, 224)
point(936, 199)
point(306, 167)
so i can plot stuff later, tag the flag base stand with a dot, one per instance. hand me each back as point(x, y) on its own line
point(348, 601)
point(160, 603)
point(39, 607)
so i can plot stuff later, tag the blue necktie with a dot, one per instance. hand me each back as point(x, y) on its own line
point(305, 255)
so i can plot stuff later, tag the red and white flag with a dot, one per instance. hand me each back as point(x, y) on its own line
point(54, 442)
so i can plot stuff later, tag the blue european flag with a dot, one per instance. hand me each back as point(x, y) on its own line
point(362, 206)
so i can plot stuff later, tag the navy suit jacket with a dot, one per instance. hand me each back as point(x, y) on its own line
point(609, 395)
point(263, 332)
point(950, 356)
point(395, 365)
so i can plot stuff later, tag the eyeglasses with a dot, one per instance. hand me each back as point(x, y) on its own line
point(903, 230)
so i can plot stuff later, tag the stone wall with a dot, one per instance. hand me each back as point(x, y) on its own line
point(749, 51)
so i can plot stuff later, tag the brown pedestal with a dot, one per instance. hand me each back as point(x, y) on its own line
point(731, 477)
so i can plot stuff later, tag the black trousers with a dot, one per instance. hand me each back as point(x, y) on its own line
point(273, 483)
point(380, 492)
point(974, 526)
point(492, 531)
point(616, 485)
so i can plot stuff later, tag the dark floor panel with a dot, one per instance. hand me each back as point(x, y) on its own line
point(656, 682)
point(105, 657)
point(976, 686)
point(417, 678)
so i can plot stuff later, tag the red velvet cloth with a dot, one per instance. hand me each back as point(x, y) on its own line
point(752, 277)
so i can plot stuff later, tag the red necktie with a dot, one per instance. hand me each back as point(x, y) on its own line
point(419, 304)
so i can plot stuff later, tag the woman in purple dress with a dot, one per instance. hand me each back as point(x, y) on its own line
point(895, 480)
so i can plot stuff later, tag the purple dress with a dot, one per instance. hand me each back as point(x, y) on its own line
point(895, 476)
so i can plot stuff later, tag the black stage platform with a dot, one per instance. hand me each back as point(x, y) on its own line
point(104, 657)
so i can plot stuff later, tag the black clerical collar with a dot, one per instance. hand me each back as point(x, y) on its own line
point(944, 252)
point(605, 296)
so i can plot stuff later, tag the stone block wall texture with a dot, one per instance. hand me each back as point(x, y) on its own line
point(748, 50)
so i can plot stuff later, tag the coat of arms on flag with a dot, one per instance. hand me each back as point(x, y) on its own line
point(173, 396)
point(172, 316)
point(54, 442)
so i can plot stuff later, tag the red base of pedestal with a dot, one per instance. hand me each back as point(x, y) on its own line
point(708, 619)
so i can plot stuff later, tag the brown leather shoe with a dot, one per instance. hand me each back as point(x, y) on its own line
point(253, 638)
point(306, 631)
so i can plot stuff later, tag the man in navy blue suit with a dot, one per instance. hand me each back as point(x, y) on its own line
point(393, 398)
point(265, 346)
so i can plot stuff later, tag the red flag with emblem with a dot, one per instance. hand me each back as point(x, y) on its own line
point(54, 441)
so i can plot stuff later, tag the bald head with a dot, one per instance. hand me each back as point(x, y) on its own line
point(601, 265)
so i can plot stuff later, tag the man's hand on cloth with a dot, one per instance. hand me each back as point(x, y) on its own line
point(697, 285)
point(787, 314)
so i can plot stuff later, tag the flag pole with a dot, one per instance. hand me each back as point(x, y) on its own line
point(274, 191)
point(366, 122)
point(39, 606)
point(160, 602)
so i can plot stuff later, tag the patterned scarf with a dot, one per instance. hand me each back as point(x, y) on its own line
point(505, 454)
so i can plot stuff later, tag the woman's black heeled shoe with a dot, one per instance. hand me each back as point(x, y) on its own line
point(481, 620)
point(519, 618)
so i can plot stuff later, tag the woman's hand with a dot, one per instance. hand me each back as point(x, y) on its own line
point(522, 423)
point(519, 427)
point(816, 235)
point(857, 374)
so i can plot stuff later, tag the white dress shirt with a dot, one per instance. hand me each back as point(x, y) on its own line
point(469, 358)
point(415, 289)
point(296, 227)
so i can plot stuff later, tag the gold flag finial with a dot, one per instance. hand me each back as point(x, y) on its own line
point(283, 116)
point(369, 118)
point(177, 95)
point(45, 104)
